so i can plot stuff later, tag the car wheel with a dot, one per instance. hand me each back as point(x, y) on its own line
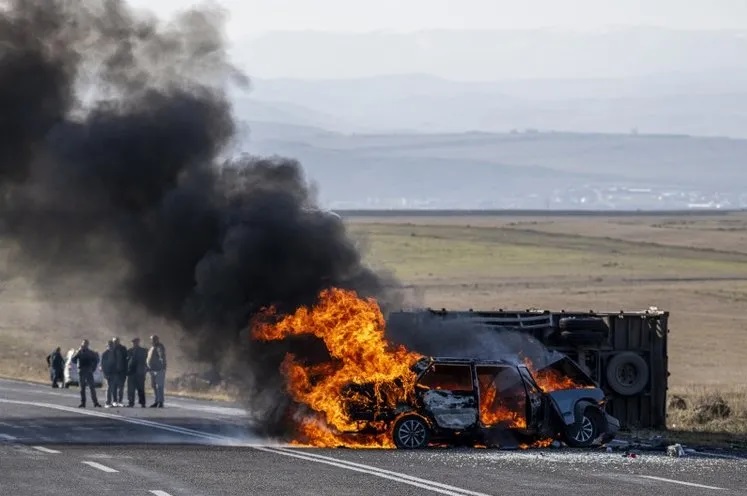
point(627, 373)
point(411, 433)
point(584, 433)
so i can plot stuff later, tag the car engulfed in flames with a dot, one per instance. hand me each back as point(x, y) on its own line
point(374, 395)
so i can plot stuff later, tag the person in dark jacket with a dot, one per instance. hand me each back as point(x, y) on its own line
point(87, 361)
point(56, 367)
point(136, 358)
point(120, 354)
point(108, 367)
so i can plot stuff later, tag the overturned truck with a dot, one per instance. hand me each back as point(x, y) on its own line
point(624, 352)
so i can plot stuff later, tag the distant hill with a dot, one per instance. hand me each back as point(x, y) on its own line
point(477, 168)
point(660, 104)
point(658, 81)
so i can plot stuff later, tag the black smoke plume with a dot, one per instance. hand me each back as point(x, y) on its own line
point(115, 131)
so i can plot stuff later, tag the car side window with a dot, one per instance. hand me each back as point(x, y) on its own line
point(447, 377)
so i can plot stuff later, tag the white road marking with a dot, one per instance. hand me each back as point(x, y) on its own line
point(378, 472)
point(173, 401)
point(231, 441)
point(101, 467)
point(395, 476)
point(683, 483)
point(8, 437)
point(158, 492)
point(45, 450)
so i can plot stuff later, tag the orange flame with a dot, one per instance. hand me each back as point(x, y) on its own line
point(492, 415)
point(550, 380)
point(352, 328)
point(541, 443)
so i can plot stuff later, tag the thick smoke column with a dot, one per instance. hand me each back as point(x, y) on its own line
point(113, 135)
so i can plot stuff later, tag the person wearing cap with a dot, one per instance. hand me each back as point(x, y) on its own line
point(157, 367)
point(136, 368)
point(120, 371)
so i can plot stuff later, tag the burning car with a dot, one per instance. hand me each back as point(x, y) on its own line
point(480, 401)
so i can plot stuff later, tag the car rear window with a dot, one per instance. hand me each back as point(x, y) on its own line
point(448, 377)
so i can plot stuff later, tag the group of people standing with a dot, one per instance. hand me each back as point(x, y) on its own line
point(120, 366)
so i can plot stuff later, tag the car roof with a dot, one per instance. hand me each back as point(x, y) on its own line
point(475, 361)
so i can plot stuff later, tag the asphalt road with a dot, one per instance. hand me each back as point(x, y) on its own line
point(194, 448)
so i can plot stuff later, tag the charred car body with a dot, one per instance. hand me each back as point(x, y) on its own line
point(624, 352)
point(471, 401)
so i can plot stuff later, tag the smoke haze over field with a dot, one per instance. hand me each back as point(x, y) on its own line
point(114, 133)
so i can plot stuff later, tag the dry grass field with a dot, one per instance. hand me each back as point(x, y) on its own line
point(693, 266)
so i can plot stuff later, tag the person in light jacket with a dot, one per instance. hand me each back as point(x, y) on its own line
point(156, 363)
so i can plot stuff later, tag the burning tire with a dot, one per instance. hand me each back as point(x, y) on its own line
point(411, 432)
point(584, 433)
point(627, 373)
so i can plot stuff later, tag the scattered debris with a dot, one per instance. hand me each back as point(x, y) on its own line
point(617, 444)
point(675, 450)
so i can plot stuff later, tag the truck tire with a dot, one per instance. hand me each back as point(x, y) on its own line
point(595, 324)
point(627, 373)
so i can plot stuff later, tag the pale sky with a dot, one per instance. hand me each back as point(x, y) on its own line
point(249, 17)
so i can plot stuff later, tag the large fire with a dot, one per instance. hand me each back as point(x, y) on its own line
point(352, 328)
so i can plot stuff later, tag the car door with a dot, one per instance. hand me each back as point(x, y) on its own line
point(503, 397)
point(537, 407)
point(448, 396)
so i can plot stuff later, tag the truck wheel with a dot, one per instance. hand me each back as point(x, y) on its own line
point(627, 373)
point(583, 434)
point(411, 432)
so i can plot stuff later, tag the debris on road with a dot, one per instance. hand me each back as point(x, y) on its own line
point(675, 450)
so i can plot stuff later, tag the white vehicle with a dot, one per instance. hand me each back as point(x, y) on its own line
point(71, 373)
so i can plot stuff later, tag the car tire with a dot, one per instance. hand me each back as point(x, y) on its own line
point(584, 433)
point(411, 432)
point(627, 373)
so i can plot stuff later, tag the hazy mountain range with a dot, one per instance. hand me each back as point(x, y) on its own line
point(565, 109)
